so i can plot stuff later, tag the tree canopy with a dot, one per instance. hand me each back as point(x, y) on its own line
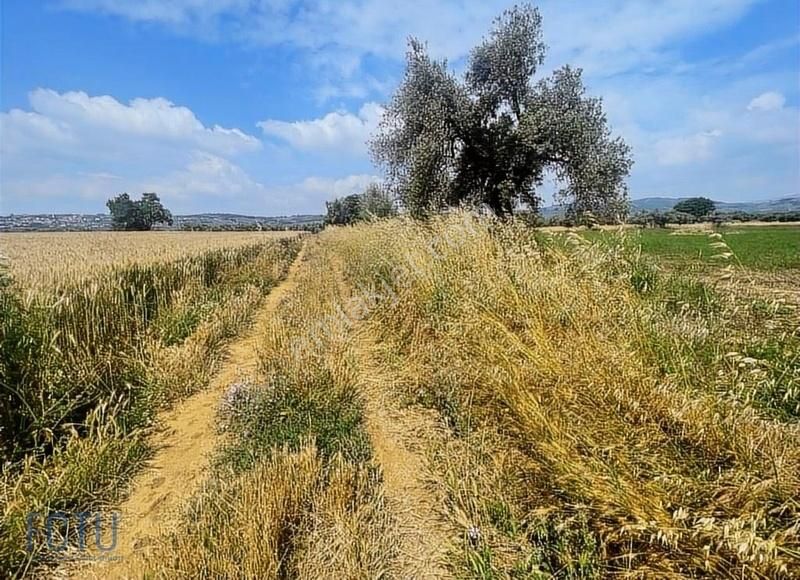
point(492, 138)
point(137, 215)
point(697, 206)
point(372, 203)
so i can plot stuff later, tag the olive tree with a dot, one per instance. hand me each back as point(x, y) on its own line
point(376, 203)
point(492, 138)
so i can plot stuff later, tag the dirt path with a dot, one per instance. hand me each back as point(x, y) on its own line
point(400, 437)
point(182, 448)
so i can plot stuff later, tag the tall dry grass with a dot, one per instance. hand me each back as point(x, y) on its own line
point(637, 455)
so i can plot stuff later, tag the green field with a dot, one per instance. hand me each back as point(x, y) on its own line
point(768, 248)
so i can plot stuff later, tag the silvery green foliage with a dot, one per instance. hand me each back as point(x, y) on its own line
point(418, 134)
point(570, 130)
point(501, 67)
point(491, 139)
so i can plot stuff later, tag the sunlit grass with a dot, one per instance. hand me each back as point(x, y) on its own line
point(646, 446)
point(87, 364)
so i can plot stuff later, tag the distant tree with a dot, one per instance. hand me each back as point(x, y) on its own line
point(785, 216)
point(697, 206)
point(343, 211)
point(680, 217)
point(376, 203)
point(490, 139)
point(123, 212)
point(373, 203)
point(139, 215)
point(153, 212)
point(740, 216)
point(650, 219)
point(658, 219)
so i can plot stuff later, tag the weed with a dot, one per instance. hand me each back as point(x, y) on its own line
point(284, 415)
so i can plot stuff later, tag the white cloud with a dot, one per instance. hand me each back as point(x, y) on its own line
point(73, 151)
point(173, 12)
point(614, 36)
point(77, 188)
point(203, 176)
point(338, 131)
point(310, 194)
point(611, 35)
point(73, 148)
point(79, 114)
point(199, 186)
point(686, 149)
point(361, 88)
point(206, 175)
point(769, 101)
point(24, 130)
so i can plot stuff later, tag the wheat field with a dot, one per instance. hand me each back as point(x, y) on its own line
point(44, 259)
point(99, 334)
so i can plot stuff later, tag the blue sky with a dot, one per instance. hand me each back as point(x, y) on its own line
point(264, 106)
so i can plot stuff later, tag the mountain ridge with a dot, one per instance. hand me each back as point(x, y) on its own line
point(663, 203)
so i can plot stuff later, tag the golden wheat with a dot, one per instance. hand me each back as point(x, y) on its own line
point(90, 360)
point(43, 259)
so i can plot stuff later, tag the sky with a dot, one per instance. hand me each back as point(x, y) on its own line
point(264, 107)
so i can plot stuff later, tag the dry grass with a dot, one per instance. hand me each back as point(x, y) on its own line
point(294, 493)
point(635, 443)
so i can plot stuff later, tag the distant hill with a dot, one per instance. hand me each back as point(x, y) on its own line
point(647, 204)
point(100, 222)
point(791, 203)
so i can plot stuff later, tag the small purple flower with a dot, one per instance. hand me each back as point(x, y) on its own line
point(234, 402)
